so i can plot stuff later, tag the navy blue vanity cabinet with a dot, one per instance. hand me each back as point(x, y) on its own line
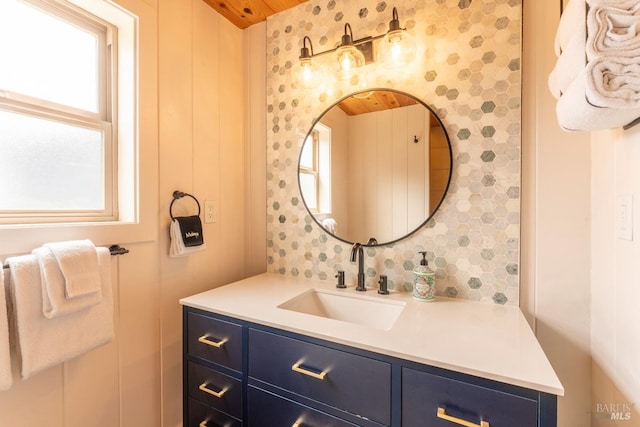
point(258, 376)
point(213, 371)
point(325, 376)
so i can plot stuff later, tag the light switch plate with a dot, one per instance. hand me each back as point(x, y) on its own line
point(624, 217)
point(210, 211)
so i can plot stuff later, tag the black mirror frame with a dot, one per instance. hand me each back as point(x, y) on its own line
point(433, 212)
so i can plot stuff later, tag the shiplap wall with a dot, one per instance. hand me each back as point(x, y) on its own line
point(386, 165)
point(199, 101)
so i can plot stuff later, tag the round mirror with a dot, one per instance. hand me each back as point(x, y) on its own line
point(375, 165)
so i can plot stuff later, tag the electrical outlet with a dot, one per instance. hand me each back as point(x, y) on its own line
point(624, 217)
point(210, 211)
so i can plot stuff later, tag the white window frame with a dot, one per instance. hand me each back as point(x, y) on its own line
point(104, 120)
point(313, 171)
point(137, 136)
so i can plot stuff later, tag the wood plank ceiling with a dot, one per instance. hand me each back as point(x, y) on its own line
point(244, 13)
point(375, 101)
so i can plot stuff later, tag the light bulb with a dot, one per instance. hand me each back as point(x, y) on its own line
point(396, 49)
point(348, 60)
point(307, 72)
point(347, 56)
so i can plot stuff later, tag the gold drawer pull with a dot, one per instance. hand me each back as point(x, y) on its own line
point(296, 367)
point(203, 424)
point(205, 387)
point(205, 340)
point(442, 414)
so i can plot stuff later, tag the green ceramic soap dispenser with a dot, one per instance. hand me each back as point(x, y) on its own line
point(424, 283)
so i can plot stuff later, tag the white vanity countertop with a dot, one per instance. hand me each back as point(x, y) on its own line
point(484, 340)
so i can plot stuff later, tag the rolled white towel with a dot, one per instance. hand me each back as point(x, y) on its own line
point(576, 113)
point(613, 82)
point(613, 30)
point(620, 4)
point(6, 379)
point(570, 63)
point(571, 25)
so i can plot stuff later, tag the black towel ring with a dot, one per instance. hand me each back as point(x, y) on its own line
point(179, 195)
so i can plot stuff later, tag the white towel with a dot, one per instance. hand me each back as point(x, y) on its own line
point(571, 25)
point(613, 30)
point(570, 63)
point(78, 262)
point(614, 82)
point(330, 225)
point(46, 342)
point(576, 113)
point(54, 300)
point(177, 247)
point(6, 379)
point(620, 4)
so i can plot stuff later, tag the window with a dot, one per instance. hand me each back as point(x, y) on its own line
point(309, 171)
point(315, 170)
point(58, 135)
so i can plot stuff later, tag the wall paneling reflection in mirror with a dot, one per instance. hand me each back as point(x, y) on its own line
point(377, 164)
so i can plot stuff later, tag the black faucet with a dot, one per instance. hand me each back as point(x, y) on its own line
point(357, 253)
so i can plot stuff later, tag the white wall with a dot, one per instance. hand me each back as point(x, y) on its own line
point(388, 173)
point(615, 329)
point(199, 99)
point(555, 291)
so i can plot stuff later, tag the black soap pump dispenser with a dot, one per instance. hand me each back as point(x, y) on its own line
point(424, 283)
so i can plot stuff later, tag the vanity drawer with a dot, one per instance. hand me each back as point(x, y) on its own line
point(425, 396)
point(215, 340)
point(217, 390)
point(352, 383)
point(201, 415)
point(268, 410)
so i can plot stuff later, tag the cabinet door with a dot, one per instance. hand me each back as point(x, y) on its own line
point(215, 340)
point(355, 384)
point(435, 401)
point(201, 415)
point(217, 390)
point(268, 410)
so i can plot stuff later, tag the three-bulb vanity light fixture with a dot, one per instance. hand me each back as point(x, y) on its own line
point(395, 50)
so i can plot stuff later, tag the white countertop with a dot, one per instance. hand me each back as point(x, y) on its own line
point(485, 340)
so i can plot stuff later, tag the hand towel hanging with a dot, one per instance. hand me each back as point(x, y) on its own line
point(6, 379)
point(186, 231)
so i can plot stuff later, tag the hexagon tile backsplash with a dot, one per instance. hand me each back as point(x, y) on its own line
point(468, 70)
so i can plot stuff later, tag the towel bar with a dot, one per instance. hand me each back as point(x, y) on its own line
point(113, 249)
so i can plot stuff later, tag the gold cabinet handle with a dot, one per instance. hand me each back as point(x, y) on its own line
point(217, 344)
point(203, 424)
point(296, 367)
point(442, 414)
point(205, 387)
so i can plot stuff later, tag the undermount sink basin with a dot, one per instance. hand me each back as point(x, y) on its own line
point(359, 309)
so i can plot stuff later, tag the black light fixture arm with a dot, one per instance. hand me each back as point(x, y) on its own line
point(306, 52)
